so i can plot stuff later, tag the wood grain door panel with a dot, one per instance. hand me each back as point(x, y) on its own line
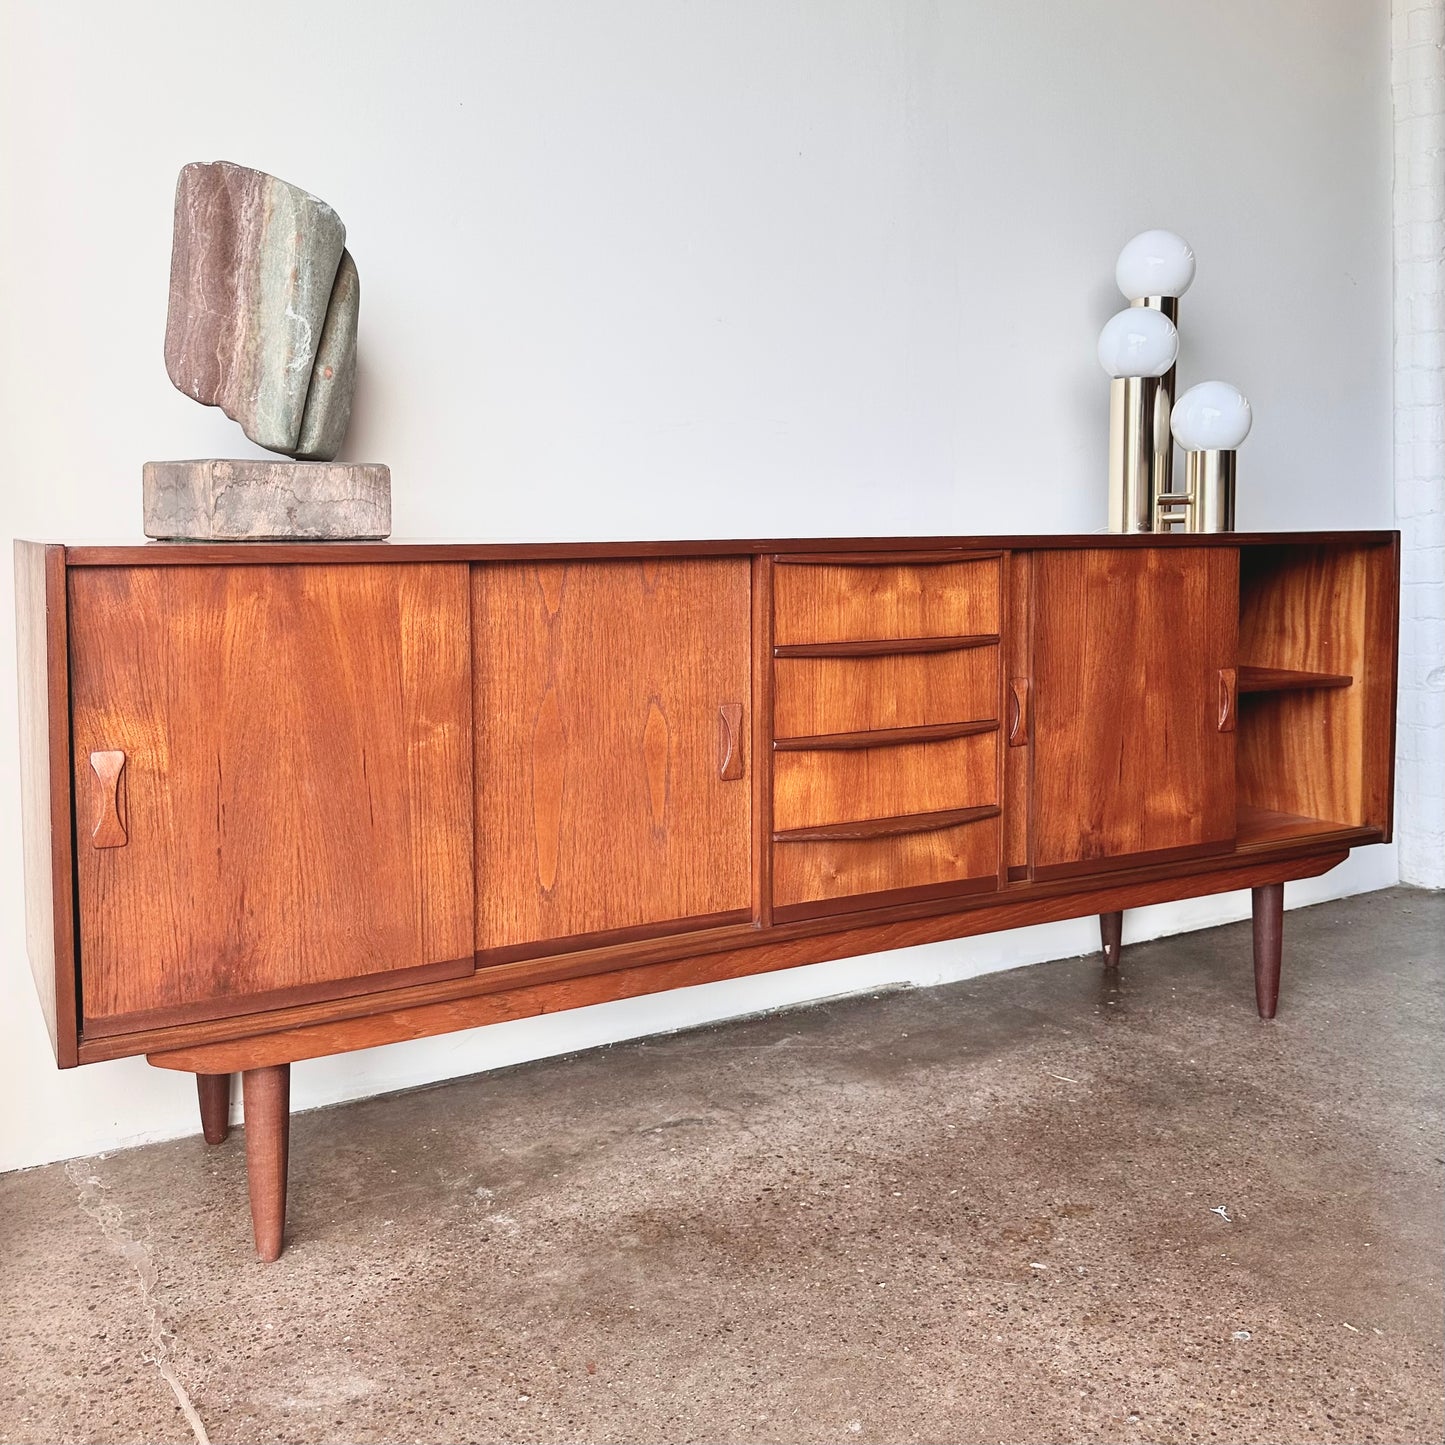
point(603, 811)
point(290, 813)
point(857, 602)
point(1128, 758)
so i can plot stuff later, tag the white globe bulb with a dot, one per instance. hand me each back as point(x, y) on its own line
point(1155, 263)
point(1139, 341)
point(1211, 417)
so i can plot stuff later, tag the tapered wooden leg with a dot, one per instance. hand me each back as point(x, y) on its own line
point(266, 1097)
point(1111, 934)
point(1268, 946)
point(214, 1091)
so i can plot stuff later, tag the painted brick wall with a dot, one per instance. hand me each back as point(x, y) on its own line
point(1418, 80)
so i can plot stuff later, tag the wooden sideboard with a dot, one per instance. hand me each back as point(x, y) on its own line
point(287, 800)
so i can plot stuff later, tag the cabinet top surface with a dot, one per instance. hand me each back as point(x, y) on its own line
point(202, 553)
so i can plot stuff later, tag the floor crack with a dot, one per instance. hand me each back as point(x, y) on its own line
point(110, 1219)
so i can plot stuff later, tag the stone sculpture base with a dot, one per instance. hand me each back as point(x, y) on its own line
point(258, 501)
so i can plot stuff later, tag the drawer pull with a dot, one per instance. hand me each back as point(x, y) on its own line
point(1228, 681)
point(937, 558)
point(867, 828)
point(109, 830)
point(730, 742)
point(1018, 719)
point(884, 737)
point(885, 646)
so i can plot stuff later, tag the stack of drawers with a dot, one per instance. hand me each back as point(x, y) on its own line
point(886, 690)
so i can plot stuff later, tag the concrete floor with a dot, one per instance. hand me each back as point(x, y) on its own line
point(977, 1213)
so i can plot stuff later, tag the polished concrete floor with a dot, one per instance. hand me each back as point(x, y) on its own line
point(1038, 1206)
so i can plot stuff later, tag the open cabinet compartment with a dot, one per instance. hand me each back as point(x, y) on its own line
point(1317, 681)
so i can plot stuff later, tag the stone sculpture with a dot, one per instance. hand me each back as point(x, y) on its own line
point(262, 323)
point(263, 308)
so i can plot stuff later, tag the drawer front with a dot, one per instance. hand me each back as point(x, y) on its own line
point(829, 785)
point(813, 695)
point(831, 875)
point(849, 601)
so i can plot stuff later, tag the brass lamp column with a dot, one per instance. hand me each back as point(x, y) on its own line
point(1211, 491)
point(1161, 439)
point(1131, 454)
point(1154, 270)
point(1137, 348)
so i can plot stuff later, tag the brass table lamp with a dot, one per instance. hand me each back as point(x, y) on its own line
point(1210, 422)
point(1138, 347)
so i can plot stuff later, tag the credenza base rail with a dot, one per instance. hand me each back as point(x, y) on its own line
point(418, 1021)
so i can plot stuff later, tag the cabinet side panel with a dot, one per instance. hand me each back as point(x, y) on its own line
point(1382, 687)
point(45, 788)
point(600, 801)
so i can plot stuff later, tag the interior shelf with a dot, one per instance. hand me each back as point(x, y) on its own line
point(1257, 826)
point(1288, 679)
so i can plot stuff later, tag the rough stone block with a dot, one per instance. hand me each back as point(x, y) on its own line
point(254, 501)
point(263, 308)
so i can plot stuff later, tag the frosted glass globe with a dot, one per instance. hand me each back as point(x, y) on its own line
point(1211, 417)
point(1139, 341)
point(1155, 263)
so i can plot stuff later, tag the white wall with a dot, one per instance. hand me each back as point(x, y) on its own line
point(693, 269)
point(1418, 74)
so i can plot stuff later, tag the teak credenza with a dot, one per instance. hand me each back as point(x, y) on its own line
point(286, 800)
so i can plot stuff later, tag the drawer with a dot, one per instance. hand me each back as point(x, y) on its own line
point(838, 601)
point(830, 875)
point(835, 783)
point(901, 690)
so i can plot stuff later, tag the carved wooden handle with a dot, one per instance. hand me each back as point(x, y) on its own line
point(730, 741)
point(867, 829)
point(1228, 692)
point(1018, 721)
point(109, 830)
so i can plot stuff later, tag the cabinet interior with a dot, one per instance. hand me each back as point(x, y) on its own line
point(1315, 652)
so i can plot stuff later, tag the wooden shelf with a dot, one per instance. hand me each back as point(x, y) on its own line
point(1286, 679)
point(1260, 827)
